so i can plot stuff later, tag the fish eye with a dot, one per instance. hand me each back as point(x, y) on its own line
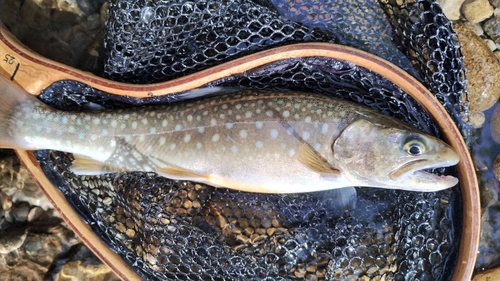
point(414, 147)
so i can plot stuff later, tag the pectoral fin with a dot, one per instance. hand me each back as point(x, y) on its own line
point(314, 161)
point(178, 173)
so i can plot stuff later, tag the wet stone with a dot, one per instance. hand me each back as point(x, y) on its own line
point(20, 212)
point(496, 167)
point(477, 10)
point(492, 29)
point(451, 8)
point(495, 125)
point(495, 3)
point(483, 69)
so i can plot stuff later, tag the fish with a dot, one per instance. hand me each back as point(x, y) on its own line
point(262, 141)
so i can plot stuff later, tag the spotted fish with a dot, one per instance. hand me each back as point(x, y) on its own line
point(250, 140)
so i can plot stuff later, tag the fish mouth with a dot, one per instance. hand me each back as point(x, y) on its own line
point(413, 174)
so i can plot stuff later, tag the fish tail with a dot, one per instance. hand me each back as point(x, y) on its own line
point(11, 98)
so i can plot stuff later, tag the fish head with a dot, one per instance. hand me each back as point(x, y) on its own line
point(383, 156)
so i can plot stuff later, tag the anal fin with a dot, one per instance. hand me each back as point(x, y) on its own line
point(314, 161)
point(86, 166)
point(178, 173)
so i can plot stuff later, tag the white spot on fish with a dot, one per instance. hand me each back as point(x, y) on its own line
point(291, 152)
point(213, 122)
point(229, 125)
point(164, 123)
point(123, 126)
point(128, 138)
point(187, 138)
point(190, 117)
point(144, 121)
point(104, 132)
point(317, 146)
point(259, 144)
point(259, 124)
point(198, 145)
point(81, 136)
point(222, 116)
point(324, 128)
point(307, 119)
point(172, 146)
point(93, 137)
point(258, 111)
point(71, 129)
point(152, 130)
point(234, 148)
point(305, 135)
point(112, 143)
point(201, 129)
point(215, 137)
point(126, 116)
point(238, 117)
point(248, 114)
point(243, 134)
point(198, 118)
point(286, 113)
point(95, 121)
point(114, 123)
point(274, 133)
point(134, 125)
point(296, 116)
point(162, 140)
point(142, 137)
point(64, 120)
point(178, 127)
point(238, 106)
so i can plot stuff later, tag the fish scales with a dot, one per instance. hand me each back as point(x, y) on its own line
point(253, 140)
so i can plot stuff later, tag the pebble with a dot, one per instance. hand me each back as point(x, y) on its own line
point(495, 3)
point(20, 212)
point(451, 8)
point(495, 125)
point(492, 28)
point(496, 168)
point(6, 201)
point(476, 11)
point(483, 69)
point(79, 270)
point(490, 44)
point(476, 119)
point(12, 239)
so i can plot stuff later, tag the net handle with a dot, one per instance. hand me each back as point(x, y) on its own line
point(35, 73)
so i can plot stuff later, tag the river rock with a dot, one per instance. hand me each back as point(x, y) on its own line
point(492, 28)
point(477, 10)
point(483, 69)
point(451, 8)
point(495, 3)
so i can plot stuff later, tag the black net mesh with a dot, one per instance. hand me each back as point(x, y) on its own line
point(174, 230)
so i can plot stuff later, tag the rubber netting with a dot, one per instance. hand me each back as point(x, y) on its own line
point(174, 230)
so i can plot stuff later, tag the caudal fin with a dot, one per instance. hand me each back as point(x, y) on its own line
point(11, 96)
